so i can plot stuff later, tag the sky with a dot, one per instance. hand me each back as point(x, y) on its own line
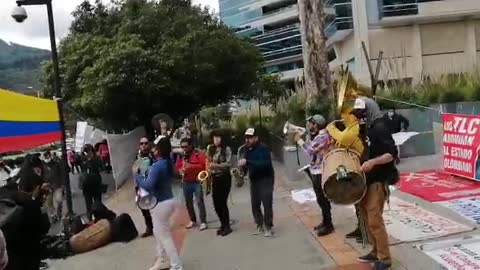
point(34, 31)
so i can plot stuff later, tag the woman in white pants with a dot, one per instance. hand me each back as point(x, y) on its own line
point(158, 182)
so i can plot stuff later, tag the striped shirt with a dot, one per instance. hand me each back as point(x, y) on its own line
point(317, 149)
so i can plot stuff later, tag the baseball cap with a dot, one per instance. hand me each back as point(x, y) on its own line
point(250, 132)
point(360, 104)
point(318, 119)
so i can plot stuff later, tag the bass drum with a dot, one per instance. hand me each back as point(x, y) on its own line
point(343, 179)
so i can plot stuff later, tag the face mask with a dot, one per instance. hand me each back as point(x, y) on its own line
point(390, 114)
point(47, 160)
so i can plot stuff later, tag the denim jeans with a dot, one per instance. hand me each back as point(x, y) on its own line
point(191, 190)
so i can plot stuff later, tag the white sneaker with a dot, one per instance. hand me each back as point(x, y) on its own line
point(259, 230)
point(203, 226)
point(191, 225)
point(268, 233)
point(160, 264)
point(177, 267)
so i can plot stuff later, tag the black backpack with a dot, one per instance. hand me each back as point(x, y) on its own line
point(123, 229)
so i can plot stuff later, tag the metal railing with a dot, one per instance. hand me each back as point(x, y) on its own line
point(398, 8)
point(339, 23)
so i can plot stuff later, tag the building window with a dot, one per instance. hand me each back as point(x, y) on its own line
point(392, 8)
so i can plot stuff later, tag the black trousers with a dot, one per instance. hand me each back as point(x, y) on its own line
point(322, 201)
point(221, 186)
point(146, 216)
point(90, 197)
point(261, 193)
point(148, 219)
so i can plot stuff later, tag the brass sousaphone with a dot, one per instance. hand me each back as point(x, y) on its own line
point(342, 179)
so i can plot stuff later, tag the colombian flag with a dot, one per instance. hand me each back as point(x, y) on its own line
point(27, 122)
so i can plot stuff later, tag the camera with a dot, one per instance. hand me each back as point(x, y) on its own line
point(19, 14)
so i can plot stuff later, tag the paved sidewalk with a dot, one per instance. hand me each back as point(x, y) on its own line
point(293, 247)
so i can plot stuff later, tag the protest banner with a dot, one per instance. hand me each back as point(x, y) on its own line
point(468, 207)
point(436, 186)
point(455, 254)
point(461, 141)
point(408, 222)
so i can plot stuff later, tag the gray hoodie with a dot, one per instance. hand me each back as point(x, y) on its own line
point(372, 110)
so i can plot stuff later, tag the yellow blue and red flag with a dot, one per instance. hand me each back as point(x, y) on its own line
point(27, 122)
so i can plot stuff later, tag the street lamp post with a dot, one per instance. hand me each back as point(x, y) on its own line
point(58, 91)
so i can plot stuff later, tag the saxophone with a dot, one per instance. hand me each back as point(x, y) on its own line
point(204, 177)
point(239, 173)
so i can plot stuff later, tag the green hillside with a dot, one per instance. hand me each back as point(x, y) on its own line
point(20, 67)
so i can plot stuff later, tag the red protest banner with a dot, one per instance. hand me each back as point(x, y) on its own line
point(461, 141)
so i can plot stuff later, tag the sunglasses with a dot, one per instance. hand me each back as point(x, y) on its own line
point(143, 143)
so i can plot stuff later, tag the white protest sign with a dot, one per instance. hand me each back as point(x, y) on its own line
point(408, 222)
point(304, 195)
point(460, 254)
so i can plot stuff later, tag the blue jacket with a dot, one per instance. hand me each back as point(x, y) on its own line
point(259, 162)
point(158, 180)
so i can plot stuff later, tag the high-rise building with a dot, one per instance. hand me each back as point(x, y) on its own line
point(418, 37)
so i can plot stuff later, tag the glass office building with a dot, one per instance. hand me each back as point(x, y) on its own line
point(274, 26)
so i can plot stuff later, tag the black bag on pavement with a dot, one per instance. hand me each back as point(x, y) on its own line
point(123, 229)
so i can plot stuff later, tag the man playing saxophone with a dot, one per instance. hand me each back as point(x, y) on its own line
point(189, 166)
point(317, 148)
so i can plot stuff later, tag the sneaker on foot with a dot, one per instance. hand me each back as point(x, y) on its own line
point(191, 225)
point(160, 264)
point(369, 258)
point(147, 233)
point(325, 230)
point(226, 231)
point(259, 230)
point(268, 233)
point(177, 267)
point(203, 226)
point(356, 233)
point(382, 266)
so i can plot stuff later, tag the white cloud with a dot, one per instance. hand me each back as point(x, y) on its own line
point(34, 31)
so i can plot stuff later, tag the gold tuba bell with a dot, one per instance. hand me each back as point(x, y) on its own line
point(346, 132)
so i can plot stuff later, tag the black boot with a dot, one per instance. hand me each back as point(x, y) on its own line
point(355, 234)
point(326, 229)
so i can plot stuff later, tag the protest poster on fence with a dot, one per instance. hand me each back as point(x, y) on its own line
point(461, 141)
point(408, 222)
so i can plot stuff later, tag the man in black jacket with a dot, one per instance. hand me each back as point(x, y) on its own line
point(258, 162)
point(380, 171)
point(395, 122)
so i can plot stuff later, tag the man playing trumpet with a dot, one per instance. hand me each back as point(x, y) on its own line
point(189, 166)
point(317, 148)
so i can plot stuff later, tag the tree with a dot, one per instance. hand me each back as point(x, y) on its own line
point(125, 63)
point(317, 75)
point(270, 89)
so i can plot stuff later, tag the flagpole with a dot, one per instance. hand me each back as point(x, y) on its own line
point(58, 96)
